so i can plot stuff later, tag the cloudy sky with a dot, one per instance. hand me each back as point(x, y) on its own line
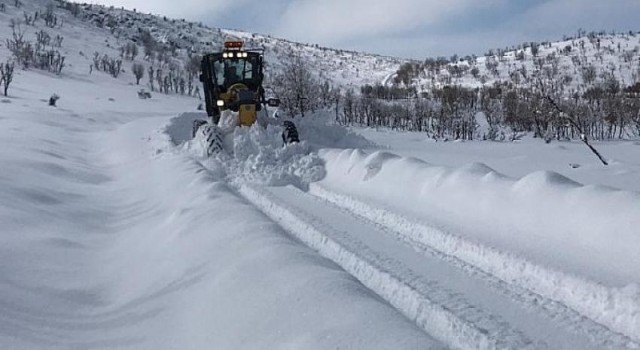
point(406, 28)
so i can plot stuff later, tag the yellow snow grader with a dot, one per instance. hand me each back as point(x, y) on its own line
point(234, 95)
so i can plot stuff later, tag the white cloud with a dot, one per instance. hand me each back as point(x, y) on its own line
point(564, 17)
point(549, 20)
point(410, 28)
point(334, 21)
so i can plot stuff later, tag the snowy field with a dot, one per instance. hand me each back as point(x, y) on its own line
point(118, 233)
point(112, 238)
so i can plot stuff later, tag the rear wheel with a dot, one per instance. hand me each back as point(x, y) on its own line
point(290, 133)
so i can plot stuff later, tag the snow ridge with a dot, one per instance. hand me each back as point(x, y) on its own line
point(616, 308)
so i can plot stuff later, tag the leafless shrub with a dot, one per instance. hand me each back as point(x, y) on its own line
point(6, 75)
point(50, 19)
point(138, 71)
point(112, 66)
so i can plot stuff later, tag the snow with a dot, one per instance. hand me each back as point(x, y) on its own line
point(255, 154)
point(571, 243)
point(520, 158)
point(450, 299)
point(377, 274)
point(114, 238)
point(124, 229)
point(116, 231)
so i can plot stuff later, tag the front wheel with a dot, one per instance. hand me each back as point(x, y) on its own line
point(196, 125)
point(210, 138)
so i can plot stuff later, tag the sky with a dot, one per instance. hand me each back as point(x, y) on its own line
point(405, 28)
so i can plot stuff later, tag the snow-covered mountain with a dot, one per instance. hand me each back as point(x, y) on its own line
point(579, 61)
point(593, 78)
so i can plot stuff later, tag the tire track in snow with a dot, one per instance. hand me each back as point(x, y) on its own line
point(459, 253)
point(442, 313)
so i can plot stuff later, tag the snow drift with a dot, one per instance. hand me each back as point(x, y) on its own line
point(575, 244)
point(256, 154)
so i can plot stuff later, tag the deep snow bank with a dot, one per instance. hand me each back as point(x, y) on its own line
point(576, 244)
point(520, 158)
point(256, 154)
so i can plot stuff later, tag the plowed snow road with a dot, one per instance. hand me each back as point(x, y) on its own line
point(451, 300)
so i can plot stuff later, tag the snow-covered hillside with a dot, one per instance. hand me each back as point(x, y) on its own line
point(344, 68)
point(581, 60)
point(181, 39)
point(586, 87)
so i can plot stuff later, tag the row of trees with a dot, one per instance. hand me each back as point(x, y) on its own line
point(178, 77)
point(447, 113)
point(602, 112)
point(107, 64)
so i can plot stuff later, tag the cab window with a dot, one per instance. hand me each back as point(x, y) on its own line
point(230, 71)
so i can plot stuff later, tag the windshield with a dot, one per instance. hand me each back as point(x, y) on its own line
point(231, 71)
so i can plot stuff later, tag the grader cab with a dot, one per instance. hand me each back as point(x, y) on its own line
point(232, 82)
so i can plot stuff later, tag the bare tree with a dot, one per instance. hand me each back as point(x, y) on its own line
point(151, 71)
point(134, 51)
point(193, 68)
point(6, 75)
point(573, 121)
point(475, 72)
point(74, 8)
point(50, 19)
point(589, 74)
point(17, 44)
point(138, 71)
point(566, 116)
point(535, 49)
point(296, 88)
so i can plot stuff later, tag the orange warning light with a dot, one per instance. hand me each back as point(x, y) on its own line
point(233, 45)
